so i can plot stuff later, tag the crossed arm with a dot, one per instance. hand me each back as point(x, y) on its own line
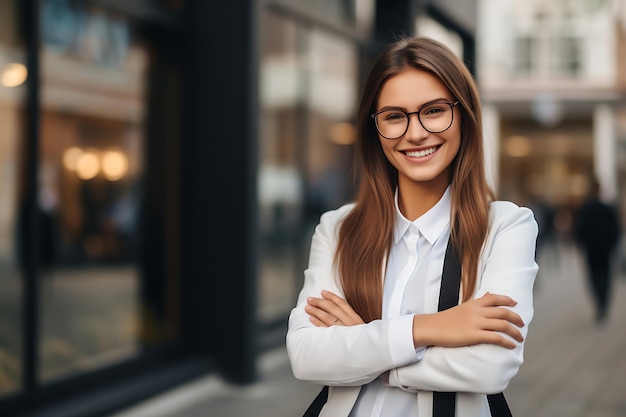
point(474, 347)
point(482, 320)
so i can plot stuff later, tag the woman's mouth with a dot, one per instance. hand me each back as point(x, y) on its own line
point(421, 153)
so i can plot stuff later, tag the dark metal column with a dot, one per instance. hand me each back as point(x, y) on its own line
point(219, 174)
point(394, 19)
point(28, 215)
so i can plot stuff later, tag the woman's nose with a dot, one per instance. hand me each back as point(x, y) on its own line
point(415, 130)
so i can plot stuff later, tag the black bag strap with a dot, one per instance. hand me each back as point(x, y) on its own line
point(444, 403)
point(317, 404)
point(498, 405)
point(450, 279)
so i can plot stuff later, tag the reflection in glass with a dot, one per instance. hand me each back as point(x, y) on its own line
point(280, 180)
point(343, 10)
point(90, 176)
point(308, 92)
point(330, 122)
point(13, 75)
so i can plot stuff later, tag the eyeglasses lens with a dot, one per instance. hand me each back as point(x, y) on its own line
point(435, 118)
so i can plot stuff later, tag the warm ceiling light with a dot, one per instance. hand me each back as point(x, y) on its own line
point(517, 146)
point(342, 133)
point(579, 184)
point(114, 165)
point(13, 75)
point(70, 157)
point(87, 165)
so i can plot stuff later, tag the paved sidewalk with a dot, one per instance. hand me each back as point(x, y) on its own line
point(573, 368)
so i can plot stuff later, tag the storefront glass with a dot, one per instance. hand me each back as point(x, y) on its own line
point(546, 165)
point(13, 81)
point(93, 75)
point(280, 182)
point(308, 94)
point(343, 10)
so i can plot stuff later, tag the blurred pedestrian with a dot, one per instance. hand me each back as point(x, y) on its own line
point(544, 215)
point(546, 248)
point(366, 321)
point(597, 231)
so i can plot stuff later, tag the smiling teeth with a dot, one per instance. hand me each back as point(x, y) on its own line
point(417, 154)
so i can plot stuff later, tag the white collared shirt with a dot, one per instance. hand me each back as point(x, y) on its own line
point(349, 358)
point(411, 286)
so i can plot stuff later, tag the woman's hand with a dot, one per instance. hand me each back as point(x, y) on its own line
point(331, 310)
point(482, 320)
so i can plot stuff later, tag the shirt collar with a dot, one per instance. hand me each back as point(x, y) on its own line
point(430, 224)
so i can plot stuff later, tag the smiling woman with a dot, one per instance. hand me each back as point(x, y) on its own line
point(424, 216)
point(426, 154)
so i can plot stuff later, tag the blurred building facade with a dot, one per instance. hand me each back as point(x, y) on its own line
point(162, 166)
point(554, 93)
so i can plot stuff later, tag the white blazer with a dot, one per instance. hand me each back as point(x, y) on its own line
point(347, 357)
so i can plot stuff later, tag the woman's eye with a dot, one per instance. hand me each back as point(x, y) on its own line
point(433, 110)
point(393, 116)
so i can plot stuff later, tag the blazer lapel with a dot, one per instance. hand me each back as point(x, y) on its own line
point(343, 399)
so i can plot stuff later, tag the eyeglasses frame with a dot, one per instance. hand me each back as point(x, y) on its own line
point(417, 112)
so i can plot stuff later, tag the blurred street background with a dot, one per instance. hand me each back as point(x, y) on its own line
point(163, 164)
point(573, 367)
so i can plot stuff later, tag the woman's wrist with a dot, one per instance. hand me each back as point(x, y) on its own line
point(421, 330)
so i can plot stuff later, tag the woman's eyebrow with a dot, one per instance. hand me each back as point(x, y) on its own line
point(392, 108)
point(436, 100)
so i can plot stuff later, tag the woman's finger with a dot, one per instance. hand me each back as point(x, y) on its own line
point(328, 306)
point(333, 310)
point(496, 300)
point(349, 316)
point(346, 315)
point(320, 315)
point(505, 314)
point(337, 300)
point(317, 322)
point(494, 338)
point(505, 327)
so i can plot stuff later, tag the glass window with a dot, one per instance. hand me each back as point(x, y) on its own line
point(95, 72)
point(343, 10)
point(523, 55)
point(331, 100)
point(427, 26)
point(280, 177)
point(13, 77)
point(308, 95)
point(567, 55)
point(547, 163)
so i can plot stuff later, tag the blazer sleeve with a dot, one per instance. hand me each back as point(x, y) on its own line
point(339, 355)
point(507, 267)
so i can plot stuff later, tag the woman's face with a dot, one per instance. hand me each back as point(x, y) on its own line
point(418, 155)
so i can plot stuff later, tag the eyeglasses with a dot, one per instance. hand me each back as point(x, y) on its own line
point(434, 117)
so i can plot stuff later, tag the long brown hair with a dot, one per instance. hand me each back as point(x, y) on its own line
point(366, 234)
